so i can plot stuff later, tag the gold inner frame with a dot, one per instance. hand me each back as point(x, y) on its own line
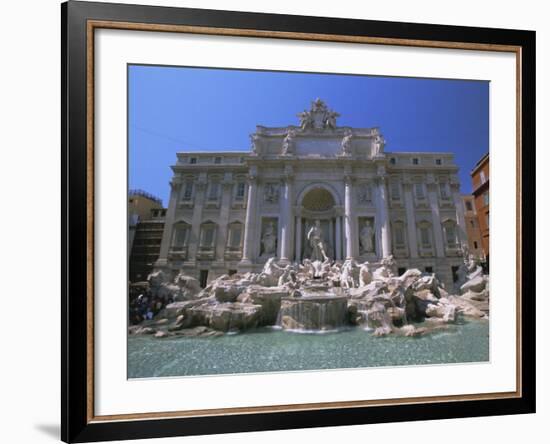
point(96, 24)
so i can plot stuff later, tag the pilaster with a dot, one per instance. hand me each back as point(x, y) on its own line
point(221, 240)
point(436, 216)
point(411, 219)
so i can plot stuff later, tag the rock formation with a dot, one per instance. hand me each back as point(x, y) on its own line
point(317, 296)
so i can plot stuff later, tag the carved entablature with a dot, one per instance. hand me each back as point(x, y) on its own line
point(318, 136)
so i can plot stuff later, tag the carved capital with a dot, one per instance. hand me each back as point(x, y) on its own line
point(175, 183)
point(339, 210)
point(431, 179)
point(227, 184)
point(349, 179)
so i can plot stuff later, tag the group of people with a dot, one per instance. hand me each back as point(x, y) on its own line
point(143, 305)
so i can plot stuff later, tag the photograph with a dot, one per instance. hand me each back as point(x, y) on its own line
point(283, 221)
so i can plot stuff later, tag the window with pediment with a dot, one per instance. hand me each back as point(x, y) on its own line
point(207, 235)
point(425, 235)
point(450, 230)
point(181, 233)
point(188, 188)
point(214, 189)
point(235, 236)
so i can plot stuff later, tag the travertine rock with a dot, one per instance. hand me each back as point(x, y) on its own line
point(316, 295)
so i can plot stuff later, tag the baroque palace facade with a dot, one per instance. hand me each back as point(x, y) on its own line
point(231, 211)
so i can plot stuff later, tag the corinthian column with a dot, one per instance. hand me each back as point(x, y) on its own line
point(248, 240)
point(197, 217)
point(221, 242)
point(382, 206)
point(286, 216)
point(338, 239)
point(349, 226)
point(298, 235)
point(436, 218)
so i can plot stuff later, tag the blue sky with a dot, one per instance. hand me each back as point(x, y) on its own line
point(175, 109)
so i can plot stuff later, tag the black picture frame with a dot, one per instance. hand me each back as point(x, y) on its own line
point(77, 425)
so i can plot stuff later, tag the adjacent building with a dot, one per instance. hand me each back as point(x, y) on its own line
point(310, 191)
point(480, 186)
point(146, 226)
point(473, 233)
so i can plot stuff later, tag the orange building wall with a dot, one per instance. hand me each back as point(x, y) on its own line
point(481, 200)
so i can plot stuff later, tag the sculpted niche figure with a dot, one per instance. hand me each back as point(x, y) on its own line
point(365, 238)
point(269, 239)
point(315, 239)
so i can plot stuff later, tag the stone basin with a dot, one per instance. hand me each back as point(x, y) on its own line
point(313, 311)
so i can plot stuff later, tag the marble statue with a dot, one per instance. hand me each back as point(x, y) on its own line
point(318, 117)
point(288, 277)
point(348, 276)
point(470, 275)
point(316, 242)
point(288, 143)
point(330, 120)
point(378, 145)
point(270, 274)
point(365, 276)
point(346, 144)
point(366, 238)
point(255, 142)
point(386, 269)
point(305, 120)
point(269, 240)
point(307, 268)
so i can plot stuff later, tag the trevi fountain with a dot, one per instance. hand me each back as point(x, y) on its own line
point(317, 314)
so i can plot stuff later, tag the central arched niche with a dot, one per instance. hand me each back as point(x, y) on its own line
point(318, 199)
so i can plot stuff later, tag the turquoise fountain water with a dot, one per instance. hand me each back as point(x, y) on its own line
point(266, 350)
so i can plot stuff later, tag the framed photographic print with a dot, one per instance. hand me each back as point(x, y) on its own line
point(276, 221)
